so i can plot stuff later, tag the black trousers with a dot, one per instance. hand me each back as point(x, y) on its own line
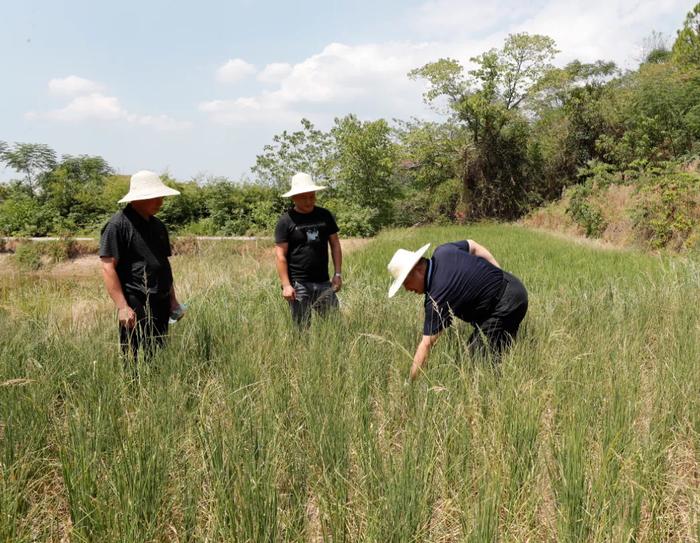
point(498, 331)
point(151, 327)
point(319, 297)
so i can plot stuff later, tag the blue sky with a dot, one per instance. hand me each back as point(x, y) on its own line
point(198, 88)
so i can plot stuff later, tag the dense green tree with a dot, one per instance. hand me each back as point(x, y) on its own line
point(488, 101)
point(559, 86)
point(686, 48)
point(23, 215)
point(505, 76)
point(365, 158)
point(428, 153)
point(71, 190)
point(31, 159)
point(238, 209)
point(569, 122)
point(307, 150)
point(189, 207)
point(653, 115)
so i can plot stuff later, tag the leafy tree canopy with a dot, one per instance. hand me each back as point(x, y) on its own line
point(686, 49)
point(306, 150)
point(30, 159)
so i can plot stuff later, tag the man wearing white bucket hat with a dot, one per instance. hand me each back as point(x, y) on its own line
point(462, 279)
point(302, 236)
point(134, 249)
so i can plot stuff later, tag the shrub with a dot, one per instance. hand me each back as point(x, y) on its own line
point(61, 250)
point(353, 219)
point(584, 212)
point(441, 205)
point(28, 256)
point(666, 209)
point(412, 210)
point(598, 174)
point(24, 216)
point(203, 227)
point(447, 205)
point(237, 210)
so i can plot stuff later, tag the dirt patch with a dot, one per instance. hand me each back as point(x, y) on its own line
point(75, 268)
point(83, 266)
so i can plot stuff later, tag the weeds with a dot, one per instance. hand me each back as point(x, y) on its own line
point(242, 430)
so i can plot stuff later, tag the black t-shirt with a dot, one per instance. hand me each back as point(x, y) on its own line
point(141, 248)
point(459, 284)
point(307, 237)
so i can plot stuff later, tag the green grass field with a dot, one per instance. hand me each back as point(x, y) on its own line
point(242, 431)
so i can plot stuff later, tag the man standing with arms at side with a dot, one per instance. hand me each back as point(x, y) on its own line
point(302, 237)
point(464, 280)
point(134, 249)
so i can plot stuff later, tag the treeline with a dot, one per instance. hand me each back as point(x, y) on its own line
point(517, 133)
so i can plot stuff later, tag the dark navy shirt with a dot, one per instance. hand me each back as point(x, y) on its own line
point(459, 284)
point(141, 248)
point(306, 235)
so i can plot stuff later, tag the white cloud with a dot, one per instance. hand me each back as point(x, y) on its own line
point(259, 109)
point(275, 72)
point(439, 18)
point(585, 29)
point(164, 123)
point(366, 79)
point(600, 29)
point(73, 85)
point(94, 105)
point(91, 106)
point(234, 70)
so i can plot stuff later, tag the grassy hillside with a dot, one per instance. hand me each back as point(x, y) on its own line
point(652, 211)
point(242, 431)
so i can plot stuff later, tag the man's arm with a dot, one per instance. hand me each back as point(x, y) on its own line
point(479, 250)
point(422, 353)
point(283, 271)
point(337, 255)
point(127, 316)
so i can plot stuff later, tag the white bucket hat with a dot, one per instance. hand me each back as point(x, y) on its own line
point(146, 185)
point(401, 265)
point(302, 182)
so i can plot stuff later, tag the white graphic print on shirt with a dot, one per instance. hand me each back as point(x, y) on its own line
point(311, 235)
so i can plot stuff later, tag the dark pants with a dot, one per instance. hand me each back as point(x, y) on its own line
point(497, 332)
point(151, 325)
point(317, 296)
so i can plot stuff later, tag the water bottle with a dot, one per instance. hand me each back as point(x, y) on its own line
point(177, 313)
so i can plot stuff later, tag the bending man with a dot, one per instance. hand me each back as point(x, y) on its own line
point(462, 279)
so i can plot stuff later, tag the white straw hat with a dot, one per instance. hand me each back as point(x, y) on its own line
point(401, 265)
point(302, 182)
point(146, 185)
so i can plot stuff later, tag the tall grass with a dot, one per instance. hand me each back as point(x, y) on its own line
point(242, 429)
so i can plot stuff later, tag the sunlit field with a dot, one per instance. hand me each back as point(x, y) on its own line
point(243, 430)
